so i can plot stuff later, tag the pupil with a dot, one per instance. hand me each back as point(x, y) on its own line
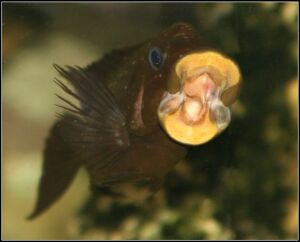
point(156, 58)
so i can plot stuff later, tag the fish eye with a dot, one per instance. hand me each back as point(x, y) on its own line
point(155, 58)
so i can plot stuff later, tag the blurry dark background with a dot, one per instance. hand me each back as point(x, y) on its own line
point(241, 185)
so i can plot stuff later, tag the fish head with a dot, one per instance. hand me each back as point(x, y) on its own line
point(190, 85)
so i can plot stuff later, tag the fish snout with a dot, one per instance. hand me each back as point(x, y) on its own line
point(197, 113)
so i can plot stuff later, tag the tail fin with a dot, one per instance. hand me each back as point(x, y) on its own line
point(59, 168)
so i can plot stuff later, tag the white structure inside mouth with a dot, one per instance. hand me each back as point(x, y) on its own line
point(193, 108)
point(198, 95)
point(220, 113)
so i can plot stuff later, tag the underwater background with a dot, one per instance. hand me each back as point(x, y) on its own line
point(241, 185)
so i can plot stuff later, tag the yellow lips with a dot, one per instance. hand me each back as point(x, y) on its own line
point(223, 77)
point(187, 134)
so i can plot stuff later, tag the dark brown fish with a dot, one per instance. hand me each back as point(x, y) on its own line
point(139, 107)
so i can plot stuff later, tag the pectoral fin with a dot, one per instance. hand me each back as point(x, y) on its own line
point(99, 134)
point(93, 135)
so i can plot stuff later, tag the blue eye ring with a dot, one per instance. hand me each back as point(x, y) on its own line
point(155, 58)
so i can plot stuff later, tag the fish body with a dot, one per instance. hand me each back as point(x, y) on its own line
point(139, 107)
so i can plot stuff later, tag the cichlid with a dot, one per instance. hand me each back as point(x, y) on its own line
point(140, 107)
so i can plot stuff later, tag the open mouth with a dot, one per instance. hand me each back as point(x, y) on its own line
point(197, 113)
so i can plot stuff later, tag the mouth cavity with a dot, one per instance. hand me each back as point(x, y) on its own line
point(195, 107)
point(198, 90)
point(198, 95)
point(195, 113)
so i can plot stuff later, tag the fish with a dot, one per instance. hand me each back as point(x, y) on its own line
point(140, 108)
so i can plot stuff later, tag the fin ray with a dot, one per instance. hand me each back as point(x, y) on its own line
point(93, 134)
point(104, 120)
